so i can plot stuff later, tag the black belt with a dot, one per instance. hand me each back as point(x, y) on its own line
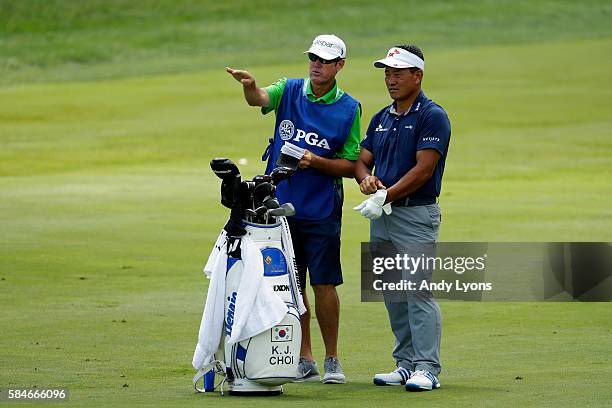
point(411, 202)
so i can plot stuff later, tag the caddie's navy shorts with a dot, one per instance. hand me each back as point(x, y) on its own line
point(317, 247)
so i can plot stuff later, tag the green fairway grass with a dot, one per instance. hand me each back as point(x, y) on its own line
point(108, 208)
point(56, 39)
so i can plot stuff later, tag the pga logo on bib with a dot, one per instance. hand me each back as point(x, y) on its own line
point(286, 130)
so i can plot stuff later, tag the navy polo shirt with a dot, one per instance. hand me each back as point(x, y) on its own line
point(394, 139)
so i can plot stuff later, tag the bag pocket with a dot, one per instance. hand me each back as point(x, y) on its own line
point(271, 357)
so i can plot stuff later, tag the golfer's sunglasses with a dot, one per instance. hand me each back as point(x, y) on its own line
point(314, 57)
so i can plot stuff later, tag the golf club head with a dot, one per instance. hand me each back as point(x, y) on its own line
point(270, 203)
point(285, 210)
point(246, 194)
point(224, 168)
point(262, 178)
point(281, 173)
point(260, 214)
point(227, 171)
point(261, 192)
point(289, 209)
point(260, 210)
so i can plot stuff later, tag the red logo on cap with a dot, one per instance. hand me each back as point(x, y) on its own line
point(394, 52)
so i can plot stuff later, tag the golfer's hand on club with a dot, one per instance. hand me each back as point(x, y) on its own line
point(244, 77)
point(370, 185)
point(374, 206)
point(306, 160)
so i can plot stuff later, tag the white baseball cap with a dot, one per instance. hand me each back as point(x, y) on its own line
point(400, 58)
point(328, 46)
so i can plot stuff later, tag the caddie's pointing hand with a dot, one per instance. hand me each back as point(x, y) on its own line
point(244, 77)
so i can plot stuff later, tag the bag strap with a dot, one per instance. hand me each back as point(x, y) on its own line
point(218, 367)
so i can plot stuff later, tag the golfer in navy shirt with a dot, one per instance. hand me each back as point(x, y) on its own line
point(406, 144)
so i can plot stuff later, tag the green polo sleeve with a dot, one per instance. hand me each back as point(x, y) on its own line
point(350, 150)
point(275, 91)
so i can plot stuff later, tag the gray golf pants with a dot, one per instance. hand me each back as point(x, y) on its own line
point(416, 323)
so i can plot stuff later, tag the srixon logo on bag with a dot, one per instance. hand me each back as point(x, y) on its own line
point(229, 318)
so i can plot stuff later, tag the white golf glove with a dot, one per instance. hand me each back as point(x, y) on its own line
point(373, 207)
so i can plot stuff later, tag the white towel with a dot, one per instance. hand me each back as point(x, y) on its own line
point(257, 306)
point(211, 326)
point(212, 258)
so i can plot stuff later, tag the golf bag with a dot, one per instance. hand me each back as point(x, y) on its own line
point(251, 256)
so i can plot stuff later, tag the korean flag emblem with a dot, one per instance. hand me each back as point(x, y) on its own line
point(282, 333)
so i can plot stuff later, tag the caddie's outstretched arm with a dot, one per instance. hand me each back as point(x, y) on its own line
point(254, 96)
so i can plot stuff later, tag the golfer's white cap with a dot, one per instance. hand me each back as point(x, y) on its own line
point(400, 58)
point(328, 46)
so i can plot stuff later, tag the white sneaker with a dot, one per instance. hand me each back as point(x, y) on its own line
point(333, 371)
point(422, 381)
point(397, 377)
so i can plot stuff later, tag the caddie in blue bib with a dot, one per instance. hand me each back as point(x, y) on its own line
point(320, 128)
